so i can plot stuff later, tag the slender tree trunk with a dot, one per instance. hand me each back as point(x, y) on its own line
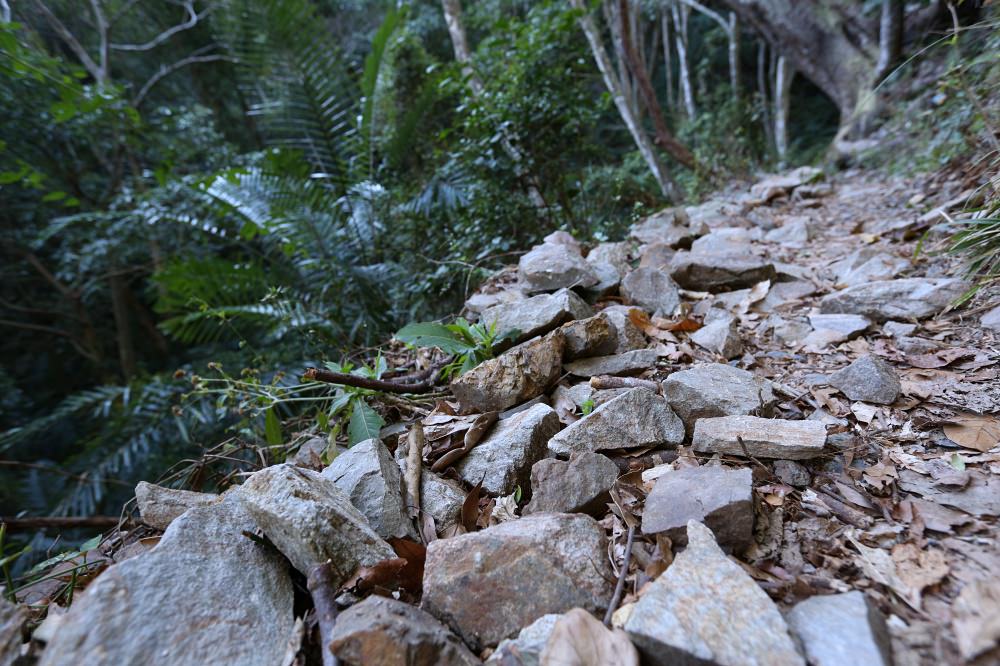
point(651, 56)
point(782, 89)
point(123, 326)
point(681, 13)
point(668, 65)
point(613, 18)
point(613, 85)
point(890, 37)
point(734, 54)
point(765, 98)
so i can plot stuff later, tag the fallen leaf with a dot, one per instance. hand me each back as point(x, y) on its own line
point(939, 359)
point(470, 508)
point(972, 431)
point(757, 293)
point(907, 571)
point(578, 639)
point(977, 617)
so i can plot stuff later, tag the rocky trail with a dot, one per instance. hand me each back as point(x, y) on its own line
point(755, 432)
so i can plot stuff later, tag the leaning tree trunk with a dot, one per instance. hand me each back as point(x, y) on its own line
point(783, 75)
point(680, 15)
point(890, 37)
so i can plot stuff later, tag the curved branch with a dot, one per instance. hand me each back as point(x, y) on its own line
point(193, 19)
point(167, 70)
point(331, 377)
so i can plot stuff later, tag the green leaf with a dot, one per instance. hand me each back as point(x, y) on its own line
point(365, 423)
point(957, 462)
point(53, 196)
point(272, 427)
point(430, 334)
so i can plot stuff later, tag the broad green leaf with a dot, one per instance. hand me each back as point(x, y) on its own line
point(365, 423)
point(430, 334)
point(272, 427)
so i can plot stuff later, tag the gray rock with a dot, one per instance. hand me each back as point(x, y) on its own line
point(652, 290)
point(480, 302)
point(705, 609)
point(594, 336)
point(763, 438)
point(631, 362)
point(869, 379)
point(159, 506)
point(910, 298)
point(670, 226)
point(578, 486)
point(561, 237)
point(205, 594)
point(656, 256)
point(613, 254)
point(517, 375)
point(629, 336)
point(719, 497)
point(719, 272)
point(536, 315)
point(850, 325)
point(441, 498)
point(898, 329)
point(487, 585)
point(716, 389)
point(991, 319)
point(608, 281)
point(794, 231)
point(792, 473)
point(552, 266)
point(790, 332)
point(368, 475)
point(841, 629)
point(380, 630)
point(526, 648)
point(12, 620)
point(311, 520)
point(725, 240)
point(784, 292)
point(633, 419)
point(721, 336)
point(503, 460)
point(868, 265)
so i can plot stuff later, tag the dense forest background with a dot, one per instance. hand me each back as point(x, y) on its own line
point(200, 198)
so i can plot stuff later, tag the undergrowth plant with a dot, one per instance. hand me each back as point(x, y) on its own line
point(471, 344)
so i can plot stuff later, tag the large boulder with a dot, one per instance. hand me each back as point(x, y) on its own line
point(637, 418)
point(536, 315)
point(716, 389)
point(705, 609)
point(488, 585)
point(206, 594)
point(519, 374)
point(909, 298)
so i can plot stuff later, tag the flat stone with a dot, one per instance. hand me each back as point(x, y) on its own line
point(638, 418)
point(706, 609)
point(792, 473)
point(519, 374)
point(790, 332)
point(868, 265)
point(719, 497)
point(503, 460)
point(841, 629)
point(656, 256)
point(594, 336)
point(991, 319)
point(380, 630)
point(909, 298)
point(159, 506)
point(869, 379)
point(720, 336)
point(487, 585)
point(724, 240)
point(630, 362)
point(552, 266)
point(794, 231)
point(629, 336)
point(12, 620)
point(652, 290)
point(310, 520)
point(716, 389)
point(781, 293)
point(670, 226)
point(526, 649)
point(850, 325)
point(368, 474)
point(536, 315)
point(579, 485)
point(763, 438)
point(480, 302)
point(205, 594)
point(898, 329)
point(719, 272)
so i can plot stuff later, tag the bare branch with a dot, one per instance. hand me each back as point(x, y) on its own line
point(71, 41)
point(4, 11)
point(366, 383)
point(192, 21)
point(102, 33)
point(715, 16)
point(167, 70)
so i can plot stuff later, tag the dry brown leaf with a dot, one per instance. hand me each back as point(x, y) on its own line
point(972, 431)
point(977, 617)
point(757, 293)
point(918, 569)
point(578, 639)
point(470, 508)
point(939, 359)
point(881, 475)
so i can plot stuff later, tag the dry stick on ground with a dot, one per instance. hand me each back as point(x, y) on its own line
point(612, 382)
point(415, 440)
point(321, 582)
point(620, 585)
point(331, 377)
point(60, 522)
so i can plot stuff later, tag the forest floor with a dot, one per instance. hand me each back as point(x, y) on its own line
point(809, 393)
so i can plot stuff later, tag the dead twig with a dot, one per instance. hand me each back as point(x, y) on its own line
point(322, 584)
point(620, 585)
point(331, 377)
point(612, 382)
point(60, 522)
point(415, 439)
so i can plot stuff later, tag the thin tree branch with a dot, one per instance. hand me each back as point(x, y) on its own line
point(167, 70)
point(35, 327)
point(102, 33)
point(71, 41)
point(331, 377)
point(620, 585)
point(193, 20)
point(60, 522)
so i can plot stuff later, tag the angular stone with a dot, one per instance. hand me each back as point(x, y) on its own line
point(487, 585)
point(719, 272)
point(792, 473)
point(909, 298)
point(725, 240)
point(868, 265)
point(594, 336)
point(763, 438)
point(578, 486)
point(841, 629)
point(613, 254)
point(517, 375)
point(652, 290)
point(633, 419)
point(526, 649)
point(991, 319)
point(630, 362)
point(629, 336)
point(552, 266)
point(503, 460)
point(380, 630)
point(898, 329)
point(367, 474)
point(441, 498)
point(480, 302)
point(869, 379)
point(849, 325)
point(206, 594)
point(716, 389)
point(719, 497)
point(784, 292)
point(536, 315)
point(720, 336)
point(656, 256)
point(670, 226)
point(794, 231)
point(159, 506)
point(311, 520)
point(705, 609)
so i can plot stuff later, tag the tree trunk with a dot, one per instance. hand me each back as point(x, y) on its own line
point(782, 88)
point(765, 98)
point(123, 326)
point(734, 54)
point(890, 37)
point(668, 65)
point(680, 14)
point(613, 85)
